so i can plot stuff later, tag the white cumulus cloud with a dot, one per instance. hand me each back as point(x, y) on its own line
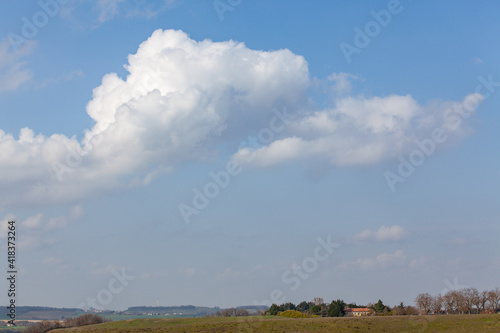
point(182, 100)
point(361, 130)
point(179, 101)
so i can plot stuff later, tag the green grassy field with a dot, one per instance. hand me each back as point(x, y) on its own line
point(445, 323)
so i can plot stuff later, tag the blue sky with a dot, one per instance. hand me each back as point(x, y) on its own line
point(116, 115)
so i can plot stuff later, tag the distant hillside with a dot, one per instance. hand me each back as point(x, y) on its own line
point(184, 310)
point(47, 313)
point(253, 307)
point(171, 310)
point(50, 313)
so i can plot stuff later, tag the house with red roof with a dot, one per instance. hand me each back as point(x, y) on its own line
point(358, 312)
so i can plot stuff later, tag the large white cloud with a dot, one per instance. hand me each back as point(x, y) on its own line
point(363, 130)
point(182, 100)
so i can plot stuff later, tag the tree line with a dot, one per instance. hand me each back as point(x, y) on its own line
point(463, 301)
point(319, 308)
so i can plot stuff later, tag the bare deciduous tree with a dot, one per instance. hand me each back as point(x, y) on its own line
point(241, 312)
point(467, 300)
point(494, 299)
point(424, 302)
point(437, 304)
point(449, 302)
point(318, 301)
point(476, 299)
point(232, 312)
point(460, 301)
point(411, 310)
point(483, 299)
point(471, 295)
point(399, 311)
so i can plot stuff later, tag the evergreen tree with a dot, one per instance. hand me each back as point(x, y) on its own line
point(379, 307)
point(273, 310)
point(337, 308)
point(304, 306)
point(315, 310)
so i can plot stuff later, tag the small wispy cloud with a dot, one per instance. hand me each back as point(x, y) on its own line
point(341, 82)
point(383, 260)
point(99, 270)
point(61, 79)
point(383, 234)
point(420, 262)
point(138, 8)
point(108, 9)
point(13, 70)
point(4, 224)
point(39, 221)
point(38, 228)
point(230, 273)
point(33, 221)
point(52, 261)
point(459, 241)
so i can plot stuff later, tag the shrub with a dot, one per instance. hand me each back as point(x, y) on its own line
point(83, 320)
point(42, 327)
point(294, 314)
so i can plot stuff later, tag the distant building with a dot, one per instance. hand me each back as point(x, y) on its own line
point(358, 312)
